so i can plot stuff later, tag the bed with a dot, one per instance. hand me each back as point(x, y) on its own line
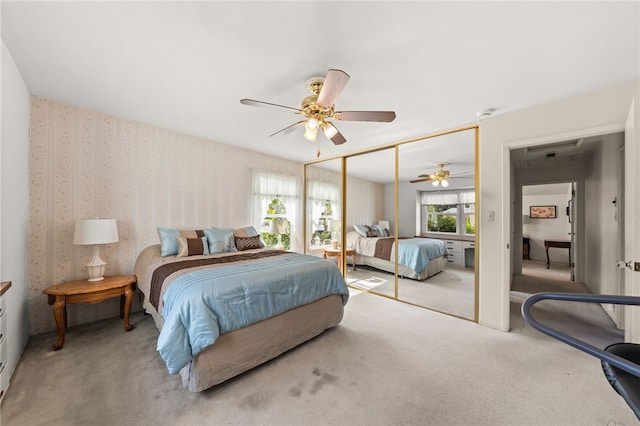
point(418, 258)
point(222, 314)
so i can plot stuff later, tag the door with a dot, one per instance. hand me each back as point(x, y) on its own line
point(632, 220)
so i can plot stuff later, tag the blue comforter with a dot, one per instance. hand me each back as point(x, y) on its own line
point(203, 304)
point(416, 252)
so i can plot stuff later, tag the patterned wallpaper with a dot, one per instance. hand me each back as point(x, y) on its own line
point(86, 164)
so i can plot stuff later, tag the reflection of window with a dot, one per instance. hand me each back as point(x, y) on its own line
point(275, 230)
point(275, 208)
point(451, 212)
point(324, 208)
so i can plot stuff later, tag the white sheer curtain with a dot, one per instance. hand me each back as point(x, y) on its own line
point(447, 197)
point(267, 186)
point(319, 193)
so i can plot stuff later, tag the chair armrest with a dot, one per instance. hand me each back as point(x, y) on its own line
point(612, 359)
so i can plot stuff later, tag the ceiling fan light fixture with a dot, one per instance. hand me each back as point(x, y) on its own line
point(435, 182)
point(310, 134)
point(444, 183)
point(312, 124)
point(329, 130)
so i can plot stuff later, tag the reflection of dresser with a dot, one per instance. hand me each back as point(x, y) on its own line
point(525, 248)
point(460, 253)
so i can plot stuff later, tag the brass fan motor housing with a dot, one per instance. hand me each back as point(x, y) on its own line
point(311, 109)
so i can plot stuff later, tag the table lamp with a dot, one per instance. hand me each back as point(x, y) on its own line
point(279, 227)
point(95, 232)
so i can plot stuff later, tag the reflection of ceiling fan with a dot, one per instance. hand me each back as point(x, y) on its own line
point(319, 107)
point(439, 177)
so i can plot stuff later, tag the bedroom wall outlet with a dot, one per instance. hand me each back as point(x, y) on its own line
point(491, 216)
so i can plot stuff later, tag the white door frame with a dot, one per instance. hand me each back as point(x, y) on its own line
point(632, 228)
point(509, 204)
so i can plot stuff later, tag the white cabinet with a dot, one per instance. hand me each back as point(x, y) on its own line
point(456, 254)
point(4, 370)
point(461, 253)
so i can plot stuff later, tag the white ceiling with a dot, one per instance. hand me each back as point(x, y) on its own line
point(185, 65)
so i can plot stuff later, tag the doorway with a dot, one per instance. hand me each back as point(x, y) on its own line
point(581, 178)
point(548, 219)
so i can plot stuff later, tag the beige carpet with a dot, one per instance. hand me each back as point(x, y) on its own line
point(450, 291)
point(387, 363)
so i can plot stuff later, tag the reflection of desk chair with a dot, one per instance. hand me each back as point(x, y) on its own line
point(620, 361)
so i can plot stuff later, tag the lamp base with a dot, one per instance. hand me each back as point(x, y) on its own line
point(96, 266)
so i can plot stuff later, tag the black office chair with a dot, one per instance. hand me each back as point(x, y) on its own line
point(620, 361)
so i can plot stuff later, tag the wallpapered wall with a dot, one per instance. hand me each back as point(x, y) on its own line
point(86, 164)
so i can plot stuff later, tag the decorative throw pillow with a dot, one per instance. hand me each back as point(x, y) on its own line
point(361, 229)
point(168, 241)
point(380, 230)
point(192, 246)
point(247, 231)
point(371, 232)
point(247, 243)
point(220, 240)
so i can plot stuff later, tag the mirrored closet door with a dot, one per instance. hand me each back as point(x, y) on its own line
point(436, 206)
point(323, 189)
point(370, 216)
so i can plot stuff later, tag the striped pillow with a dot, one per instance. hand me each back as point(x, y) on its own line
point(248, 243)
point(192, 246)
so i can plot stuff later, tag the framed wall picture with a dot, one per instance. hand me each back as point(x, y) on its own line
point(542, 212)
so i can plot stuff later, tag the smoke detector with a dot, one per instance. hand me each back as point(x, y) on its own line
point(485, 113)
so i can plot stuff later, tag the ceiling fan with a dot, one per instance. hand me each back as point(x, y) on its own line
point(439, 177)
point(319, 107)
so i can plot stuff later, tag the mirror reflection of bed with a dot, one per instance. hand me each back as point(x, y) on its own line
point(371, 199)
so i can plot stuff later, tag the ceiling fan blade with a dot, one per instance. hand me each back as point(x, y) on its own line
point(252, 102)
point(333, 84)
point(420, 180)
point(288, 129)
point(331, 132)
point(384, 116)
point(425, 176)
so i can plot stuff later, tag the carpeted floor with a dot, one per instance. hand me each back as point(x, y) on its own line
point(387, 363)
point(450, 291)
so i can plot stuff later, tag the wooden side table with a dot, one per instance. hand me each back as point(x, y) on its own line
point(331, 252)
point(84, 291)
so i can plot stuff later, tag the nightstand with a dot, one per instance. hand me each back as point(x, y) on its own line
point(84, 291)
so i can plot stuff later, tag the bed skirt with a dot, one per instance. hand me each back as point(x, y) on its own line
point(435, 265)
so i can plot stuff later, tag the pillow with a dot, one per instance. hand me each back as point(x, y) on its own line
point(247, 243)
point(220, 240)
point(168, 242)
point(192, 246)
point(361, 229)
point(380, 230)
point(247, 231)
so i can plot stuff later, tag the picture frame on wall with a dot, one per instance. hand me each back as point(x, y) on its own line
point(542, 212)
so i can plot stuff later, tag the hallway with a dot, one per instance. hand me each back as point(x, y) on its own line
point(585, 321)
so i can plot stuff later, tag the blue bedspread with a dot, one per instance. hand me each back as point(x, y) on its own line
point(416, 252)
point(203, 304)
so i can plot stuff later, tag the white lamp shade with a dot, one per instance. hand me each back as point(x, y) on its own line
point(95, 231)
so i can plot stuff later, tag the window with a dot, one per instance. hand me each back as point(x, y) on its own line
point(324, 211)
point(449, 212)
point(276, 207)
